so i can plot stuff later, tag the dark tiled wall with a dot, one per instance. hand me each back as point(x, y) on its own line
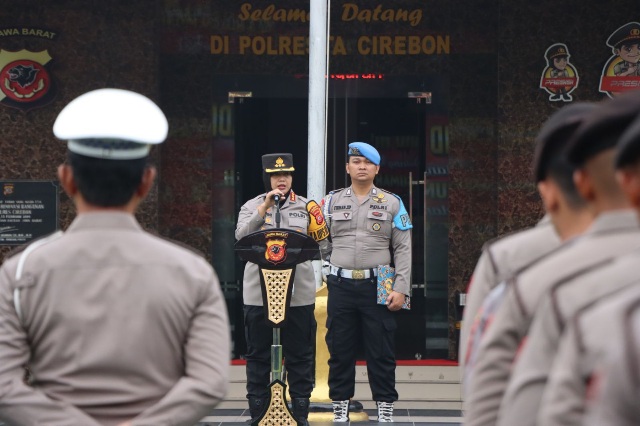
point(97, 44)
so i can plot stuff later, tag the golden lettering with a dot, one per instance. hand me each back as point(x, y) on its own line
point(244, 43)
point(401, 45)
point(271, 13)
point(219, 45)
point(338, 46)
point(244, 11)
point(299, 45)
point(284, 45)
point(351, 12)
point(364, 45)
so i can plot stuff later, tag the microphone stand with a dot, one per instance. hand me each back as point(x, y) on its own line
point(276, 347)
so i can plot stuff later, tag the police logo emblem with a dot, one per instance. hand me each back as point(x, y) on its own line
point(25, 81)
point(376, 226)
point(7, 189)
point(276, 251)
point(354, 151)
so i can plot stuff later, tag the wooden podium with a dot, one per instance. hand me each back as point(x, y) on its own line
point(277, 252)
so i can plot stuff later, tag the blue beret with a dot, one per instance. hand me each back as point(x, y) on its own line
point(362, 149)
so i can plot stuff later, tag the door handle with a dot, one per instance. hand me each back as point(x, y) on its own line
point(422, 182)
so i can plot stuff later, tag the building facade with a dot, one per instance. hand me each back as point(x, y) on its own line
point(451, 93)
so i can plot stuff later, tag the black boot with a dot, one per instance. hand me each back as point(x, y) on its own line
point(256, 408)
point(300, 409)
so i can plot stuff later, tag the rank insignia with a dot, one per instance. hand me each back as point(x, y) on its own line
point(379, 198)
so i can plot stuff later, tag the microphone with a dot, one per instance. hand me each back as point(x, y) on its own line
point(276, 198)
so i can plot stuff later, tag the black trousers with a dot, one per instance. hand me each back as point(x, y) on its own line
point(352, 312)
point(297, 337)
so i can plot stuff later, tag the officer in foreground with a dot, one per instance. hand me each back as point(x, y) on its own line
point(369, 228)
point(572, 294)
point(615, 231)
point(607, 297)
point(299, 332)
point(114, 326)
point(566, 217)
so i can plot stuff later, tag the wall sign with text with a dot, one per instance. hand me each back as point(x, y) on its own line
point(28, 210)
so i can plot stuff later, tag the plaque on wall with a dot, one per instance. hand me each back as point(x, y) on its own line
point(28, 210)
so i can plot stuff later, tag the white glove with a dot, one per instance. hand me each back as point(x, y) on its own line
point(325, 270)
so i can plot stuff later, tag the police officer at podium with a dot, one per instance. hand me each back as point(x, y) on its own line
point(299, 333)
point(369, 227)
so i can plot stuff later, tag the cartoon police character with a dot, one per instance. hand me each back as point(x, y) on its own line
point(559, 78)
point(622, 72)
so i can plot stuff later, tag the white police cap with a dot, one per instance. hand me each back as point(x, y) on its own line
point(112, 124)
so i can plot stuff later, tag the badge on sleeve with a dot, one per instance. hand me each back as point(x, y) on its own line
point(317, 229)
point(402, 220)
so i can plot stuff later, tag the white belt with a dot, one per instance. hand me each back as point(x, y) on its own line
point(354, 274)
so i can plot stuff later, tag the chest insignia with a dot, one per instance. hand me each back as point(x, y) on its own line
point(379, 198)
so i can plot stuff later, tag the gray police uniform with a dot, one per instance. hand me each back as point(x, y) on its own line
point(615, 399)
point(293, 215)
point(298, 334)
point(499, 260)
point(588, 339)
point(365, 234)
point(114, 324)
point(566, 297)
point(611, 234)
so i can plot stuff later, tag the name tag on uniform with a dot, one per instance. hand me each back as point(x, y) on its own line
point(377, 215)
point(342, 215)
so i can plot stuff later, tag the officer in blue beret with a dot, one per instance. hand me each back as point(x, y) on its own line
point(370, 230)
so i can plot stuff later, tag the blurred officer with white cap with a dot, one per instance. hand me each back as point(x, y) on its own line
point(369, 227)
point(113, 325)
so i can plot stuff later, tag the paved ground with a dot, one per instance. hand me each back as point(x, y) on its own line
point(402, 417)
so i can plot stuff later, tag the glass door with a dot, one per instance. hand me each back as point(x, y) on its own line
point(412, 138)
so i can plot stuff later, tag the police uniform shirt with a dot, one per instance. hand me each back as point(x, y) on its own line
point(612, 233)
point(624, 66)
point(615, 397)
point(115, 324)
point(588, 338)
point(363, 232)
point(293, 215)
point(565, 298)
point(499, 260)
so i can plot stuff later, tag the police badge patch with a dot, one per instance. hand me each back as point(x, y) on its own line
point(25, 81)
point(276, 251)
